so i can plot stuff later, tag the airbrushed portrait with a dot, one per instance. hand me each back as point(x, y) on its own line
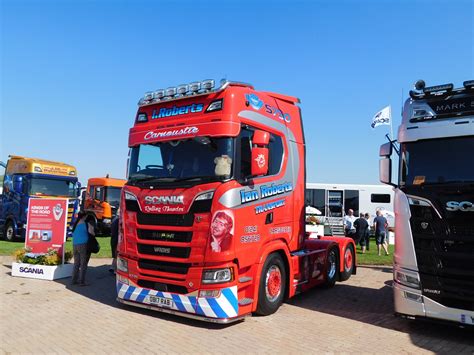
point(222, 230)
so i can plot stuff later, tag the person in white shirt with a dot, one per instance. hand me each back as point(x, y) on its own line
point(349, 227)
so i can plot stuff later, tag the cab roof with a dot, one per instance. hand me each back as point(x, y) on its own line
point(106, 181)
point(19, 164)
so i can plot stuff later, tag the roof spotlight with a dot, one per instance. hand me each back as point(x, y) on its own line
point(182, 89)
point(207, 84)
point(148, 96)
point(420, 85)
point(194, 87)
point(170, 91)
point(158, 94)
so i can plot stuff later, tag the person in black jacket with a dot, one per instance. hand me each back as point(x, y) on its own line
point(362, 228)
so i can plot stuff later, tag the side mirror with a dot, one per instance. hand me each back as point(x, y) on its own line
point(78, 189)
point(259, 155)
point(18, 184)
point(385, 170)
point(385, 150)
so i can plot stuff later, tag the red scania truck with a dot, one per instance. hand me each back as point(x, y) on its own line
point(213, 212)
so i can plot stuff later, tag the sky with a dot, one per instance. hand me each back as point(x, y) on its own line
point(72, 72)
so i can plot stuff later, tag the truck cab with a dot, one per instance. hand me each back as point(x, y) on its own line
point(434, 204)
point(102, 200)
point(212, 214)
point(27, 178)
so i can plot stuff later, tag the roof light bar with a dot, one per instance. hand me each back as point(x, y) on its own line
point(437, 88)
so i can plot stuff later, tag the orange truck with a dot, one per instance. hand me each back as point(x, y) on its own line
point(213, 212)
point(101, 200)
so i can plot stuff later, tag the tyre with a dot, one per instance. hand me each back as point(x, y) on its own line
point(349, 260)
point(271, 291)
point(9, 232)
point(332, 267)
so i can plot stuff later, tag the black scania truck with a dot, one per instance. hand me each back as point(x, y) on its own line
point(434, 204)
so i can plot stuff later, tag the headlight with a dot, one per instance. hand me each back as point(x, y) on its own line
point(205, 196)
point(407, 278)
point(215, 276)
point(106, 220)
point(130, 197)
point(122, 265)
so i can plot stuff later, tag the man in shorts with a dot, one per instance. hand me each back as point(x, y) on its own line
point(380, 225)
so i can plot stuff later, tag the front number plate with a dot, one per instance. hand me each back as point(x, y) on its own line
point(161, 301)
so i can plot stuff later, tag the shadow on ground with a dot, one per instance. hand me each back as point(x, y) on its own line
point(375, 307)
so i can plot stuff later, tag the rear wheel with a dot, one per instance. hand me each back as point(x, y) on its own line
point(332, 267)
point(272, 285)
point(349, 260)
point(9, 231)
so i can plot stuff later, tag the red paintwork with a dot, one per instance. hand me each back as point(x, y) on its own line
point(285, 235)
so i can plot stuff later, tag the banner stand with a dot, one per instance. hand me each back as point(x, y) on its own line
point(42, 272)
point(45, 229)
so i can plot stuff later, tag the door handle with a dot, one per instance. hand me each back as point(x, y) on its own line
point(269, 218)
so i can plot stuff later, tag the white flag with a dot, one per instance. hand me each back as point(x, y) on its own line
point(382, 117)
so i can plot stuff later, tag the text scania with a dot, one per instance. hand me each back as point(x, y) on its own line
point(177, 110)
point(31, 270)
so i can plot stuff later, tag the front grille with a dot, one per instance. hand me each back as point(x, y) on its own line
point(169, 236)
point(161, 250)
point(164, 266)
point(177, 220)
point(163, 287)
point(444, 250)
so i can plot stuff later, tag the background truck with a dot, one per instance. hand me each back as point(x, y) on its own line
point(101, 200)
point(213, 213)
point(27, 178)
point(434, 204)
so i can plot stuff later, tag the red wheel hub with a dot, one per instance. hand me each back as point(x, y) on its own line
point(348, 259)
point(274, 283)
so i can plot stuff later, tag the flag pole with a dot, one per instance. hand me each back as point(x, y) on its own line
point(391, 125)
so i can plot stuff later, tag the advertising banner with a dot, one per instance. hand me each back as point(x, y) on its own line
point(46, 225)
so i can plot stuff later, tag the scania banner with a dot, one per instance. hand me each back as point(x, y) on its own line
point(46, 225)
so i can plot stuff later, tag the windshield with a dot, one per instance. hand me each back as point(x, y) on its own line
point(437, 161)
point(112, 195)
point(197, 159)
point(52, 187)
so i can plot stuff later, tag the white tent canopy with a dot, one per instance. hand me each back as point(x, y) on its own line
point(313, 210)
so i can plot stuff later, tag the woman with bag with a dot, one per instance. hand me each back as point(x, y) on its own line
point(82, 236)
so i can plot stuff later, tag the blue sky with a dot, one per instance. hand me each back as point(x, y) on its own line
point(73, 71)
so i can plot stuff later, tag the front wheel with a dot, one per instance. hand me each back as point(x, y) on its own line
point(272, 285)
point(9, 232)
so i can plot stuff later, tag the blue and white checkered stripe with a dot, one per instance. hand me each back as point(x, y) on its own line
point(224, 306)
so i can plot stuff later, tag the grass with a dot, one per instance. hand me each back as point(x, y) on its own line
point(369, 258)
point(7, 248)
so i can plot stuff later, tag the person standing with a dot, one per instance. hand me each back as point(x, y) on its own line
point(367, 236)
point(349, 228)
point(83, 229)
point(361, 225)
point(114, 227)
point(381, 224)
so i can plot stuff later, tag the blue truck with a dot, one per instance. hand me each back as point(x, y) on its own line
point(27, 178)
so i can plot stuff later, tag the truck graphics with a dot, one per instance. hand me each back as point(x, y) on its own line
point(212, 219)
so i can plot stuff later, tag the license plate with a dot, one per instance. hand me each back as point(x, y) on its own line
point(161, 301)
